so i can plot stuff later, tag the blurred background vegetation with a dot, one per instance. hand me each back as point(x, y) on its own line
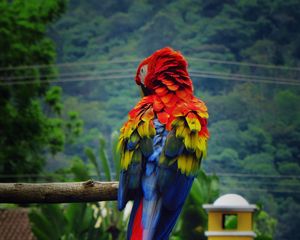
point(66, 84)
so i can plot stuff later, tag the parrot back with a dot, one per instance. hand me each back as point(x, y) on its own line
point(161, 154)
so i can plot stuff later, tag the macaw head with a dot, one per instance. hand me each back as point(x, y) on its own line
point(164, 67)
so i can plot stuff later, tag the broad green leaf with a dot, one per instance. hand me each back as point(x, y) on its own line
point(91, 156)
point(116, 155)
point(104, 159)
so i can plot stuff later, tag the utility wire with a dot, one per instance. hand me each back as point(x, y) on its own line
point(244, 75)
point(93, 78)
point(261, 184)
point(67, 64)
point(63, 75)
point(219, 76)
point(254, 175)
point(262, 190)
point(69, 74)
point(244, 79)
point(90, 63)
point(245, 64)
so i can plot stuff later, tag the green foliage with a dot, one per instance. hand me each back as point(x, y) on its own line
point(27, 131)
point(73, 221)
point(264, 225)
point(85, 220)
point(289, 214)
point(231, 222)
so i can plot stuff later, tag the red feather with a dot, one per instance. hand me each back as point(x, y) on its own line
point(137, 228)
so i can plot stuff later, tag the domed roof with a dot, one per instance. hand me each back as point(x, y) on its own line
point(231, 200)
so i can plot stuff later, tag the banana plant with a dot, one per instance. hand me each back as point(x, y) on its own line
point(108, 171)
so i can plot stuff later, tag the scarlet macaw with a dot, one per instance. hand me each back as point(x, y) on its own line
point(161, 146)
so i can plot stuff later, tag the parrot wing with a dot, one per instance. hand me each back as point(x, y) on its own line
point(159, 194)
point(183, 151)
point(179, 162)
point(135, 145)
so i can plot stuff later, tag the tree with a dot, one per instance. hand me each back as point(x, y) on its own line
point(26, 131)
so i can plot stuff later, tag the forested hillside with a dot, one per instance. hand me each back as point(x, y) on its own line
point(254, 108)
point(244, 59)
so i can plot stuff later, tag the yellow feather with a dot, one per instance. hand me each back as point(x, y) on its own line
point(201, 143)
point(129, 128)
point(179, 162)
point(187, 141)
point(179, 131)
point(196, 165)
point(182, 163)
point(199, 153)
point(183, 132)
point(193, 124)
point(146, 129)
point(190, 141)
point(177, 122)
point(152, 130)
point(189, 163)
point(120, 143)
point(137, 156)
point(203, 114)
point(141, 130)
point(126, 159)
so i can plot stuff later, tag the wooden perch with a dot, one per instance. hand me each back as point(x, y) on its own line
point(66, 192)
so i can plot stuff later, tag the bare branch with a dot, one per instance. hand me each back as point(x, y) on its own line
point(66, 192)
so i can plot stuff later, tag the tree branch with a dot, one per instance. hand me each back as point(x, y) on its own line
point(66, 192)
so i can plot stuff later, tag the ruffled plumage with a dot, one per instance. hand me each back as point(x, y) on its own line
point(178, 142)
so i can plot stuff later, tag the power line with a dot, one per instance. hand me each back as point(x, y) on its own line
point(262, 184)
point(219, 76)
point(244, 76)
point(245, 64)
point(111, 71)
point(233, 78)
point(66, 64)
point(249, 175)
point(112, 77)
point(69, 74)
point(264, 190)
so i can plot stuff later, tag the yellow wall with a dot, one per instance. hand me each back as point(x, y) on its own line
point(230, 238)
point(244, 221)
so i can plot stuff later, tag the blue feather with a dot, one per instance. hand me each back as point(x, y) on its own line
point(166, 223)
point(149, 186)
point(177, 191)
point(122, 191)
point(163, 188)
point(130, 145)
point(150, 167)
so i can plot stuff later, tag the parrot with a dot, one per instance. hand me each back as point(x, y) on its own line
point(161, 146)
